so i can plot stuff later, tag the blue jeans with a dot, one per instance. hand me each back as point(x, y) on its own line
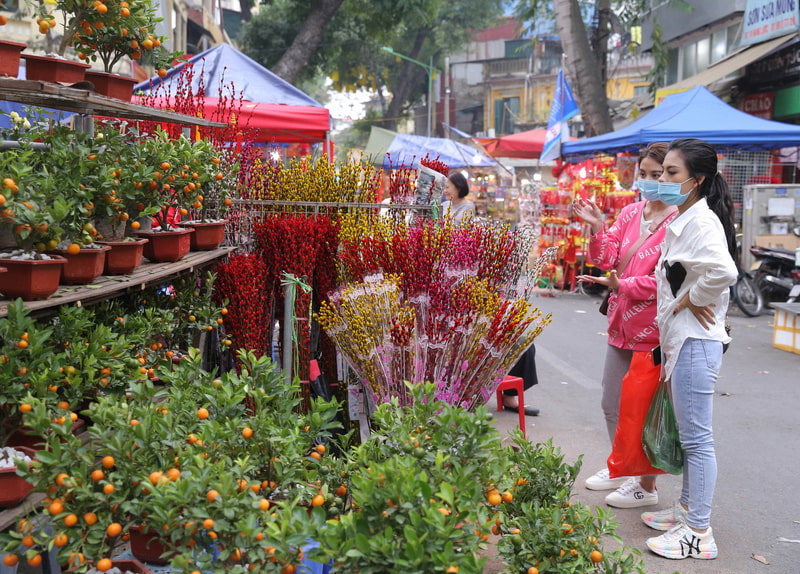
point(692, 385)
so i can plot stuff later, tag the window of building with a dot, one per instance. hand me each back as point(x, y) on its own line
point(640, 90)
point(703, 54)
point(689, 60)
point(733, 34)
point(719, 45)
point(672, 65)
point(506, 112)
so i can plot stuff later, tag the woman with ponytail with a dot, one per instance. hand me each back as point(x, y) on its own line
point(693, 276)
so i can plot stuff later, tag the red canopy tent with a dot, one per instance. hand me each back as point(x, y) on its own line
point(526, 145)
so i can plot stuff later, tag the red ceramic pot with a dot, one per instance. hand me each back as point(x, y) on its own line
point(13, 488)
point(112, 85)
point(9, 57)
point(52, 69)
point(84, 267)
point(24, 438)
point(206, 236)
point(147, 547)
point(31, 279)
point(166, 246)
point(124, 256)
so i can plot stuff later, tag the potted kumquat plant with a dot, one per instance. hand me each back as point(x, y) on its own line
point(108, 32)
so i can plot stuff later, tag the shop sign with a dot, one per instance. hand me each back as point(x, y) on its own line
point(664, 92)
point(783, 65)
point(759, 105)
point(766, 19)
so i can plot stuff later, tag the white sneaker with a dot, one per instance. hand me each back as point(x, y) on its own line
point(682, 542)
point(665, 519)
point(601, 481)
point(631, 495)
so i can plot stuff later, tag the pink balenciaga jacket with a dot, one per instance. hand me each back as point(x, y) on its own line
point(632, 309)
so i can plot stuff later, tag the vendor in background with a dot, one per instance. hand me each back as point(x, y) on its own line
point(525, 367)
point(629, 250)
point(457, 207)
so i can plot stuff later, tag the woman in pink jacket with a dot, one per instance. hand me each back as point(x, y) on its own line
point(630, 250)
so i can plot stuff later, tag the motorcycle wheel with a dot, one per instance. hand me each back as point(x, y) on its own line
point(748, 297)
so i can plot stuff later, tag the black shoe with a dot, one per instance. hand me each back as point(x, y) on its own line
point(529, 411)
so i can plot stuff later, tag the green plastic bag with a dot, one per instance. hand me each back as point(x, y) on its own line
point(660, 438)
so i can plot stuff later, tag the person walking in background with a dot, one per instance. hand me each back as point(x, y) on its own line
point(694, 274)
point(630, 250)
point(525, 367)
point(457, 207)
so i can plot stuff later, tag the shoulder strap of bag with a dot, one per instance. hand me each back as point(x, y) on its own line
point(652, 228)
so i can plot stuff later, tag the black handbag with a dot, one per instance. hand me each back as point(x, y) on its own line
point(604, 303)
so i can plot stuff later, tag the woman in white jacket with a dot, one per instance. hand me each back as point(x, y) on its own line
point(693, 277)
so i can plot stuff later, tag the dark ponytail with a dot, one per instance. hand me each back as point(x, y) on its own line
point(701, 160)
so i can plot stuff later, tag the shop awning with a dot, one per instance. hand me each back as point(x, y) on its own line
point(729, 65)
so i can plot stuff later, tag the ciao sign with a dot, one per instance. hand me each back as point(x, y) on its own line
point(759, 105)
point(765, 19)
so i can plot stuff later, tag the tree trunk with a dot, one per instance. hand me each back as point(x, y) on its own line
point(308, 39)
point(599, 44)
point(584, 65)
point(246, 9)
point(411, 75)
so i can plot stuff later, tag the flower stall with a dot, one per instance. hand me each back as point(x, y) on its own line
point(161, 426)
point(597, 179)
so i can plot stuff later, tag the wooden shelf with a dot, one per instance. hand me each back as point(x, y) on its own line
point(108, 286)
point(53, 95)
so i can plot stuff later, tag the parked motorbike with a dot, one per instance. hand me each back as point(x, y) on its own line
point(772, 280)
point(747, 295)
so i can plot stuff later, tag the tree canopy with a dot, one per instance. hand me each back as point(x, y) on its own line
point(349, 49)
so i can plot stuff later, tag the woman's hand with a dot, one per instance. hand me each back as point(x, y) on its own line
point(704, 315)
point(611, 281)
point(588, 212)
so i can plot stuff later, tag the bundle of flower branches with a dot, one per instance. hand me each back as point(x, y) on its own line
point(465, 339)
point(433, 302)
point(428, 256)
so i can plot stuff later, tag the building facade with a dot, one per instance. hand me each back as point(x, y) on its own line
point(503, 83)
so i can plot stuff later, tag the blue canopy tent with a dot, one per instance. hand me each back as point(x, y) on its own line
point(696, 113)
point(391, 150)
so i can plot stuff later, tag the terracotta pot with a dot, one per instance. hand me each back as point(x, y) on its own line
point(84, 267)
point(112, 85)
point(206, 236)
point(9, 57)
point(31, 279)
point(25, 438)
point(13, 488)
point(166, 245)
point(147, 547)
point(52, 69)
point(124, 256)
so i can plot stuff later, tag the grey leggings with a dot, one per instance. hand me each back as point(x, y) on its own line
point(617, 363)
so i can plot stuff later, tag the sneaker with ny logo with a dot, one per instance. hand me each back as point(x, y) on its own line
point(681, 542)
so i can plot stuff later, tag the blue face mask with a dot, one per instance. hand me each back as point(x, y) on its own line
point(670, 192)
point(648, 188)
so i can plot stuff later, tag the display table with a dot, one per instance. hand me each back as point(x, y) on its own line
point(108, 286)
point(786, 332)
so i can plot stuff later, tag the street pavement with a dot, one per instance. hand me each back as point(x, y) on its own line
point(756, 429)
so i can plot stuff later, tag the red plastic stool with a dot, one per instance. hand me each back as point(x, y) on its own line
point(516, 383)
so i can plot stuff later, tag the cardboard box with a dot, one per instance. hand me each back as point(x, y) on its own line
point(786, 328)
point(789, 241)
